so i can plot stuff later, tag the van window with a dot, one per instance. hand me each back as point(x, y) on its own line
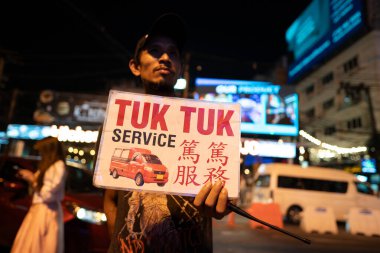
point(136, 157)
point(312, 184)
point(263, 181)
point(117, 152)
point(153, 159)
point(364, 188)
point(125, 154)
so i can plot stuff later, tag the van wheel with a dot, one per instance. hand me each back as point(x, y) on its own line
point(139, 180)
point(293, 215)
point(114, 174)
point(161, 184)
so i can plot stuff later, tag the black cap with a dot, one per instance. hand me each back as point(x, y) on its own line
point(169, 25)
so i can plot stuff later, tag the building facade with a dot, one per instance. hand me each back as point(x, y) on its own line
point(339, 93)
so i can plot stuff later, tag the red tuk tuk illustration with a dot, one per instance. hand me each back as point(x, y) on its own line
point(138, 164)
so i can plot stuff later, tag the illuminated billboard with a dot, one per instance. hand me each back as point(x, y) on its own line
point(266, 108)
point(321, 29)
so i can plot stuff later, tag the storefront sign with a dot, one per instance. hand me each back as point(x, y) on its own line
point(268, 148)
point(63, 133)
point(65, 108)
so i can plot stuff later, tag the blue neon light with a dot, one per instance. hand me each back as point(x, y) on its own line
point(340, 8)
point(308, 59)
point(368, 165)
point(31, 132)
point(3, 138)
point(214, 81)
point(320, 30)
point(346, 27)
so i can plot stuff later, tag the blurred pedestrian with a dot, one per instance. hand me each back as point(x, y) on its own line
point(42, 227)
point(153, 222)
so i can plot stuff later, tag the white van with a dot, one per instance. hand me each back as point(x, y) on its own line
point(294, 188)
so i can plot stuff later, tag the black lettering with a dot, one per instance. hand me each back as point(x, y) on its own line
point(136, 135)
point(147, 137)
point(154, 139)
point(126, 136)
point(161, 144)
point(171, 141)
point(116, 133)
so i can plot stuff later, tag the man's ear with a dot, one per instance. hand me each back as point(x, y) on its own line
point(134, 67)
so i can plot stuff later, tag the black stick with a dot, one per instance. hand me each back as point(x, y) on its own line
point(241, 212)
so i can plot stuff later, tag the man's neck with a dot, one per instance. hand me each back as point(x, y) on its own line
point(160, 90)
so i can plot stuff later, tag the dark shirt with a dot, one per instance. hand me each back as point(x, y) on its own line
point(150, 222)
point(158, 223)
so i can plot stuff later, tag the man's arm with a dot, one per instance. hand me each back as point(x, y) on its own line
point(109, 205)
point(110, 196)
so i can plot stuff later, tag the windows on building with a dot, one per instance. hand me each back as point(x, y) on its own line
point(310, 89)
point(327, 78)
point(330, 130)
point(328, 104)
point(351, 64)
point(310, 113)
point(354, 123)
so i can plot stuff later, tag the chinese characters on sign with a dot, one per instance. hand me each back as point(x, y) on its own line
point(168, 145)
point(188, 173)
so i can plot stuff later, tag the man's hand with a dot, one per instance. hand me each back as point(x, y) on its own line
point(212, 200)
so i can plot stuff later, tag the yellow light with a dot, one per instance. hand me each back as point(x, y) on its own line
point(92, 152)
point(81, 152)
point(331, 147)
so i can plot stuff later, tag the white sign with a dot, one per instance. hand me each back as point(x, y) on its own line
point(170, 145)
point(268, 148)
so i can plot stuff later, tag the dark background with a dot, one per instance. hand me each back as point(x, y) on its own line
point(80, 45)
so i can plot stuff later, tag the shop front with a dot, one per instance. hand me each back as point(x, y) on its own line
point(71, 117)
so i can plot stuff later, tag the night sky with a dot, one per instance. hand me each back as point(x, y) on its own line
point(79, 45)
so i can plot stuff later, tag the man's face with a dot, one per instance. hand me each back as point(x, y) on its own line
point(160, 63)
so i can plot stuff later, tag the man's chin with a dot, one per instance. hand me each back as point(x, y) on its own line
point(162, 82)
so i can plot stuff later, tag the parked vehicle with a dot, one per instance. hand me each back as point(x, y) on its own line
point(294, 188)
point(138, 164)
point(85, 222)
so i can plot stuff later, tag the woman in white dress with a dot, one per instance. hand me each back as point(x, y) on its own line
point(42, 227)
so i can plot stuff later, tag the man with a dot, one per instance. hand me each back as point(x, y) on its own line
point(150, 222)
